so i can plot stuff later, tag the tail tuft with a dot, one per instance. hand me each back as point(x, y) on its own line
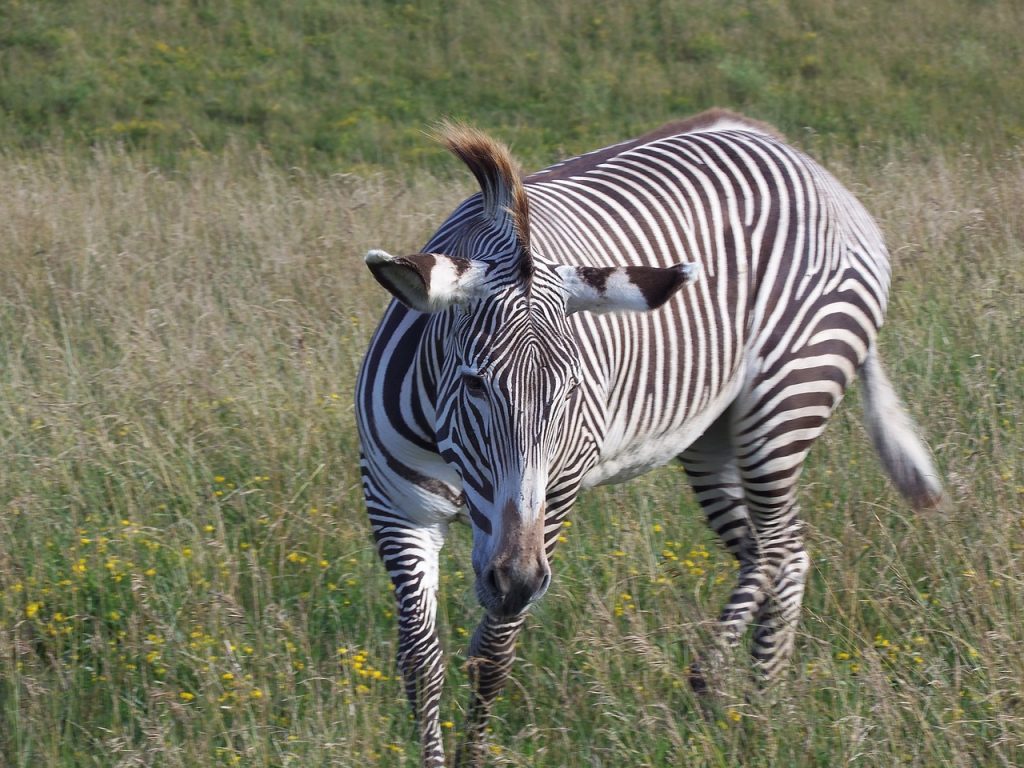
point(904, 455)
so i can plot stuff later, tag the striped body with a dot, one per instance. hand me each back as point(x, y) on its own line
point(503, 402)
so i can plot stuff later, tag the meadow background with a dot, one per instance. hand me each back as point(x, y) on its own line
point(186, 190)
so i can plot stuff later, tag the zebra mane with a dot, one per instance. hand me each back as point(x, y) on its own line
point(714, 119)
point(499, 177)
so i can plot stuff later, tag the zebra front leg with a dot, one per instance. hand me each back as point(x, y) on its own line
point(411, 557)
point(491, 653)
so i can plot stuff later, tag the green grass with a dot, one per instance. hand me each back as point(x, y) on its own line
point(186, 573)
point(342, 85)
point(187, 578)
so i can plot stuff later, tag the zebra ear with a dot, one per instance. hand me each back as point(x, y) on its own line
point(623, 289)
point(427, 282)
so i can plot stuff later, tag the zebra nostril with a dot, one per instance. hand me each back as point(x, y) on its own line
point(545, 581)
point(493, 582)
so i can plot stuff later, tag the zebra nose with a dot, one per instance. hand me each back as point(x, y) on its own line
point(513, 586)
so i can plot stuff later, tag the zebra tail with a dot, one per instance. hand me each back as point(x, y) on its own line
point(904, 455)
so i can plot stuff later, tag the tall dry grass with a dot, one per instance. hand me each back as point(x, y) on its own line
point(186, 577)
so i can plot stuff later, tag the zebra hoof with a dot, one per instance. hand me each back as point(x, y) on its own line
point(696, 678)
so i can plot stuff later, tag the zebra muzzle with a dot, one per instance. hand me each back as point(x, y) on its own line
point(519, 573)
point(513, 588)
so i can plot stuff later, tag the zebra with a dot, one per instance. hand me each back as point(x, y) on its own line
point(704, 292)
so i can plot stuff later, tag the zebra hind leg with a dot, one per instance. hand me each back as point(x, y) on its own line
point(775, 624)
point(769, 590)
point(763, 532)
point(772, 439)
point(710, 465)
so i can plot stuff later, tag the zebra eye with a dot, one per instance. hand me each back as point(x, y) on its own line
point(474, 384)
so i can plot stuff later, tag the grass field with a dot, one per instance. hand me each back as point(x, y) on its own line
point(186, 573)
point(334, 85)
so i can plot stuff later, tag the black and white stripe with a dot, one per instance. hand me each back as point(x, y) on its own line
point(705, 292)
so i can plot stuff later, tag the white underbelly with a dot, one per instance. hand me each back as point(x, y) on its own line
point(627, 456)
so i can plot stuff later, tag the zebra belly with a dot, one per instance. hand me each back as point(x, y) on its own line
point(633, 455)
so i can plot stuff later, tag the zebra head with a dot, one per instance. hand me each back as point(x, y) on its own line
point(508, 371)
